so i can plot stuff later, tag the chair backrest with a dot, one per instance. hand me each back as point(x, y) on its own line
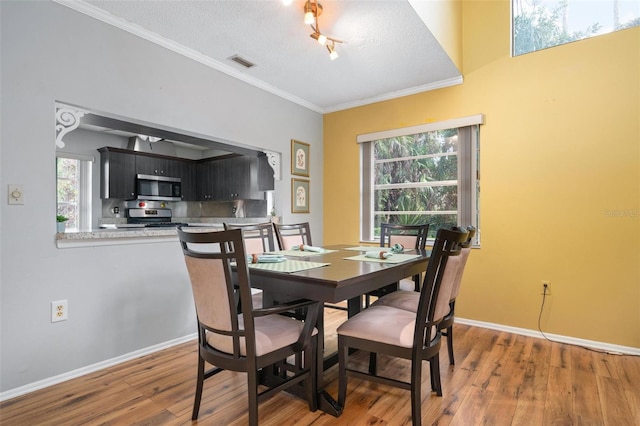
point(209, 257)
point(461, 262)
point(438, 282)
point(258, 238)
point(409, 236)
point(292, 235)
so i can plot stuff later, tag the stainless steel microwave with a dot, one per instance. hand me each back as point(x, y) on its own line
point(160, 188)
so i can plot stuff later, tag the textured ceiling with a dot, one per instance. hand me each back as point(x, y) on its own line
point(388, 50)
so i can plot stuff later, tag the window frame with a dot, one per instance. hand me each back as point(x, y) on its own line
point(85, 178)
point(468, 179)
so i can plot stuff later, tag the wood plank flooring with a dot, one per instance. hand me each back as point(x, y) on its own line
point(499, 379)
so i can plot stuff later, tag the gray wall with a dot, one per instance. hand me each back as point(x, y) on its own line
point(121, 298)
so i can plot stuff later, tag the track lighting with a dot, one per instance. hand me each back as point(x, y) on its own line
point(313, 9)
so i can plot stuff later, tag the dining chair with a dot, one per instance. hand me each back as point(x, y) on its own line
point(395, 332)
point(289, 235)
point(251, 341)
point(258, 237)
point(410, 237)
point(408, 300)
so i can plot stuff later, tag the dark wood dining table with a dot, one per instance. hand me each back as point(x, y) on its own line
point(340, 280)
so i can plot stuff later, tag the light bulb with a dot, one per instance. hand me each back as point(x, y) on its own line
point(322, 39)
point(309, 18)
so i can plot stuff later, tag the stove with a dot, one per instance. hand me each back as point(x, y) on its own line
point(150, 217)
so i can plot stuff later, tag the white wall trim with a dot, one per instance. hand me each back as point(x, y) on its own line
point(22, 390)
point(601, 346)
point(422, 128)
point(106, 17)
point(40, 384)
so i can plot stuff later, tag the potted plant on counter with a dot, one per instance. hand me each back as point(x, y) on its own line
point(61, 222)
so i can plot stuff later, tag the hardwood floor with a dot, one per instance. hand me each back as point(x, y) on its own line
point(499, 379)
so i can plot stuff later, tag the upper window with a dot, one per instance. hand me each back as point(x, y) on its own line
point(423, 174)
point(538, 24)
point(74, 190)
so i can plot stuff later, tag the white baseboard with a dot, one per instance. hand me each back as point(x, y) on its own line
point(601, 346)
point(40, 384)
point(12, 393)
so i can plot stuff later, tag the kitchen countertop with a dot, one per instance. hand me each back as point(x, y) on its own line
point(121, 236)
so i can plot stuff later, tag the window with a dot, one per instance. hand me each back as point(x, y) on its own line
point(421, 174)
point(539, 24)
point(74, 190)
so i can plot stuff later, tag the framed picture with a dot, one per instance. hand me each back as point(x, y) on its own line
point(299, 158)
point(300, 196)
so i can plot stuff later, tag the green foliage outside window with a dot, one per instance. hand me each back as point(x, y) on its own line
point(68, 184)
point(540, 24)
point(423, 169)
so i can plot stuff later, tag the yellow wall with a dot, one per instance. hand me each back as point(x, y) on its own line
point(560, 169)
point(444, 20)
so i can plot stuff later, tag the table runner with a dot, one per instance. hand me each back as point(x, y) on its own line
point(288, 266)
point(298, 253)
point(363, 248)
point(396, 258)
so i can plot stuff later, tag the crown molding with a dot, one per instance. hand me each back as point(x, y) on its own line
point(104, 16)
point(101, 15)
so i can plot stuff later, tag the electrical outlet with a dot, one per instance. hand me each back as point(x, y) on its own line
point(546, 288)
point(59, 310)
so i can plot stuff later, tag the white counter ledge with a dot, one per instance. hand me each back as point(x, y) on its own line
point(122, 236)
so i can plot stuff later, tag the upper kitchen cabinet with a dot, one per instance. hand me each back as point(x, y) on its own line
point(230, 178)
point(156, 166)
point(118, 174)
point(239, 179)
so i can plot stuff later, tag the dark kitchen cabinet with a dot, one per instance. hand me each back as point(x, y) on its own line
point(238, 179)
point(187, 171)
point(229, 178)
point(206, 176)
point(118, 174)
point(155, 166)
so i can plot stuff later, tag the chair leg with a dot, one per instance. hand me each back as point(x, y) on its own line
point(343, 354)
point(252, 394)
point(373, 363)
point(312, 380)
point(416, 397)
point(450, 344)
point(199, 386)
point(434, 368)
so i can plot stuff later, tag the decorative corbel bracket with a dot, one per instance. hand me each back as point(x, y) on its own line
point(274, 161)
point(67, 120)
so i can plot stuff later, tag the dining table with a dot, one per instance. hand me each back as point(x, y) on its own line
point(333, 274)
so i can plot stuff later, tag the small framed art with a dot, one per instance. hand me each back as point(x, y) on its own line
point(299, 158)
point(300, 196)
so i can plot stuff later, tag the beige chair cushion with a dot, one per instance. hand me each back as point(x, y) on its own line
point(291, 240)
point(407, 241)
point(401, 299)
point(382, 324)
point(272, 332)
point(253, 246)
point(407, 284)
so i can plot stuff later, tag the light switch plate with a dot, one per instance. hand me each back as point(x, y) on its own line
point(15, 193)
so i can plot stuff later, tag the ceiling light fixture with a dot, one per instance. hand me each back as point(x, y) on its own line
point(313, 9)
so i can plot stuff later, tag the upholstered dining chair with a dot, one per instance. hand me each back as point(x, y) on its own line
point(258, 237)
point(400, 333)
point(410, 237)
point(408, 300)
point(254, 340)
point(289, 235)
